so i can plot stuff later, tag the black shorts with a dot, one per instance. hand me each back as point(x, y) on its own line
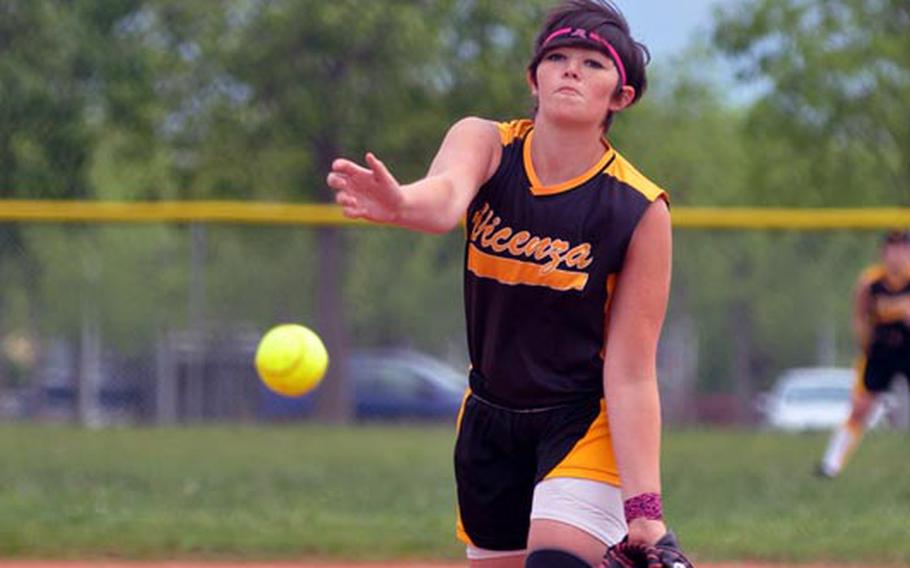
point(882, 365)
point(501, 454)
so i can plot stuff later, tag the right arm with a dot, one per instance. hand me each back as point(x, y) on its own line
point(466, 159)
point(862, 320)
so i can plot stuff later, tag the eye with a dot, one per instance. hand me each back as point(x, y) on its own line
point(555, 56)
point(594, 64)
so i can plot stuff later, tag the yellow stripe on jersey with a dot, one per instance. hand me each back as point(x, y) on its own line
point(859, 374)
point(878, 272)
point(592, 456)
point(871, 274)
point(625, 172)
point(611, 287)
point(619, 168)
point(460, 533)
point(514, 130)
point(511, 271)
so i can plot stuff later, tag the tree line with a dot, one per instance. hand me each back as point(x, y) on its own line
point(163, 99)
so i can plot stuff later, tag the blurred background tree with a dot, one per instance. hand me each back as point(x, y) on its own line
point(167, 99)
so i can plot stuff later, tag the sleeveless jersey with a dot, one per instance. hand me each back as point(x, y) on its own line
point(540, 265)
point(889, 305)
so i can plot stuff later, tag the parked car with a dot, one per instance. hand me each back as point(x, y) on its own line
point(388, 384)
point(810, 398)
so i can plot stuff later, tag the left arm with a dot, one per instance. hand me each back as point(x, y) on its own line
point(630, 363)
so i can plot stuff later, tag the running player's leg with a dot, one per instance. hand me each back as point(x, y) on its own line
point(874, 376)
point(847, 436)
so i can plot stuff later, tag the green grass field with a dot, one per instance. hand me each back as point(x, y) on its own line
point(379, 493)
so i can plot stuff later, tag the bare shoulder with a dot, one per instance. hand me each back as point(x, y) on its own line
point(651, 247)
point(658, 211)
point(474, 126)
point(471, 148)
point(655, 220)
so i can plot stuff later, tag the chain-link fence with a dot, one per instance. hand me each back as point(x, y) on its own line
point(157, 322)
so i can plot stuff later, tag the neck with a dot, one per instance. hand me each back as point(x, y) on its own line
point(561, 153)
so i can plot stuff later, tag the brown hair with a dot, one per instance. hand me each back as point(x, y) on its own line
point(603, 18)
point(896, 237)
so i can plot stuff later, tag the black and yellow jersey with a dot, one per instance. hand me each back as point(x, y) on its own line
point(889, 307)
point(540, 265)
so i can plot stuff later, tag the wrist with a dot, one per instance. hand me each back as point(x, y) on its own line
point(646, 531)
point(400, 203)
point(648, 506)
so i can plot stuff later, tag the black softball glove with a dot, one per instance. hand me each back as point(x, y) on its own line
point(665, 553)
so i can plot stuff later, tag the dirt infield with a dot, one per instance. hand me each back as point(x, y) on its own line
point(304, 564)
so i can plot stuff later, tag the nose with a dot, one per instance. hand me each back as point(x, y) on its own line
point(571, 69)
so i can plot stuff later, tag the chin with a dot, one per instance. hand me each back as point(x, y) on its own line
point(573, 116)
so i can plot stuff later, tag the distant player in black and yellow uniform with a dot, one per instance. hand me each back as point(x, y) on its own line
point(567, 245)
point(881, 322)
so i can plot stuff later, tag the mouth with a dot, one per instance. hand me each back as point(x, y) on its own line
point(568, 91)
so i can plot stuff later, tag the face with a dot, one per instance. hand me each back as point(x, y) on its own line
point(896, 257)
point(578, 85)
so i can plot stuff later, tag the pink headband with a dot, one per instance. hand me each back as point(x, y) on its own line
point(592, 36)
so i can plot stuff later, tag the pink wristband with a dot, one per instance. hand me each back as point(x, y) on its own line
point(645, 505)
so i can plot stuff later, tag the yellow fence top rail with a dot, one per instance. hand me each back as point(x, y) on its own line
point(784, 219)
point(273, 213)
point(247, 212)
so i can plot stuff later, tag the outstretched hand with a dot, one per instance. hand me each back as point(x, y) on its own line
point(366, 192)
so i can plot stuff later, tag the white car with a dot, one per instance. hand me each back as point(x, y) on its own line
point(811, 398)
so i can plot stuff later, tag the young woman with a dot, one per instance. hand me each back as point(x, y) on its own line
point(567, 274)
point(881, 323)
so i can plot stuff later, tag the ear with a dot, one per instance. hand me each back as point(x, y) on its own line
point(622, 99)
point(532, 82)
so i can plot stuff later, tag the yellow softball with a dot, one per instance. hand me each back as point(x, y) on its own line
point(291, 359)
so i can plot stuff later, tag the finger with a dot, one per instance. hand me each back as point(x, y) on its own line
point(380, 172)
point(349, 168)
point(354, 212)
point(346, 200)
point(337, 181)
